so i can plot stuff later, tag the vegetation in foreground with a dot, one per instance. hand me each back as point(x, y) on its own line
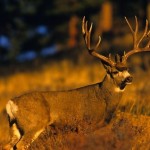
point(66, 74)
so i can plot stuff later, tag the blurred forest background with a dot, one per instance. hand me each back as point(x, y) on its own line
point(31, 29)
point(42, 48)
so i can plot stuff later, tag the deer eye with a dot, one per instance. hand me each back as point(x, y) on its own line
point(115, 72)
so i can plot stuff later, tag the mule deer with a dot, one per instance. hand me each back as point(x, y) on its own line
point(30, 113)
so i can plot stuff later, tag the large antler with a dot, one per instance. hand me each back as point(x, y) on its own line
point(87, 38)
point(136, 41)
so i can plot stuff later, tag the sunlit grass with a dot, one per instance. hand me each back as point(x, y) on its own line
point(62, 75)
point(65, 75)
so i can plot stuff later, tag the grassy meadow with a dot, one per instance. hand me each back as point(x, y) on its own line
point(66, 74)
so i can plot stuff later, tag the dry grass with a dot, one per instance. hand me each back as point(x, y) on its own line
point(53, 76)
point(66, 75)
point(125, 132)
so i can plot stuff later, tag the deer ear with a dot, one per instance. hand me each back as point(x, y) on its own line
point(107, 67)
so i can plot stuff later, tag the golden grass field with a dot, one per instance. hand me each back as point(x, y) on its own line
point(65, 74)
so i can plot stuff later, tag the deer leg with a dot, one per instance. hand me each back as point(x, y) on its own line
point(14, 137)
point(28, 139)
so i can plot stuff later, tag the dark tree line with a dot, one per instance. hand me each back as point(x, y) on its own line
point(30, 26)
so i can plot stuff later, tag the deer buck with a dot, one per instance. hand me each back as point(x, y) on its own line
point(31, 113)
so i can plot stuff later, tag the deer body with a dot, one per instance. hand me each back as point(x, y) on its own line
point(69, 107)
point(31, 113)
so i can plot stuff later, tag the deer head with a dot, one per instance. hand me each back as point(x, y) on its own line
point(117, 69)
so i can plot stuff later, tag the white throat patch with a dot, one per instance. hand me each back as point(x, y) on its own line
point(117, 89)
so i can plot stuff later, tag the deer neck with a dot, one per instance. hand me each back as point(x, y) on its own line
point(109, 89)
point(110, 95)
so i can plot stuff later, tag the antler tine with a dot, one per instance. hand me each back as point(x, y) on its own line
point(148, 44)
point(145, 32)
point(87, 38)
point(87, 34)
point(137, 42)
point(134, 33)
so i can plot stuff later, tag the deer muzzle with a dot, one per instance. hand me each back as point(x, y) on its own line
point(128, 80)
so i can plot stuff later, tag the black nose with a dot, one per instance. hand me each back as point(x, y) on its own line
point(129, 79)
